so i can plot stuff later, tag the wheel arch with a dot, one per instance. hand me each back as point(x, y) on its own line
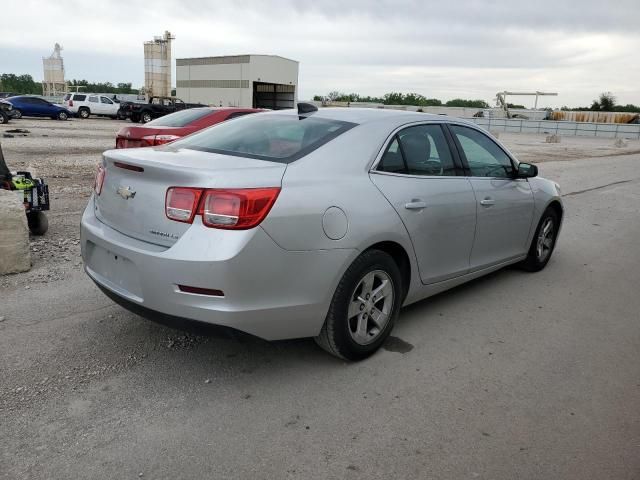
point(557, 207)
point(401, 257)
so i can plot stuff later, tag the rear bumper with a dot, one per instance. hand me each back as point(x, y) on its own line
point(268, 292)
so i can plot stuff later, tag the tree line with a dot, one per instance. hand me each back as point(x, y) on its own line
point(25, 84)
point(397, 98)
point(606, 102)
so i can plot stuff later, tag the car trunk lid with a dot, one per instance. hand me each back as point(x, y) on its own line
point(132, 200)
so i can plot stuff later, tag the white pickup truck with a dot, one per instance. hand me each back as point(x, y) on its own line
point(85, 104)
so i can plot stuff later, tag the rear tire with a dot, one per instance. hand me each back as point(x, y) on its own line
point(146, 117)
point(38, 223)
point(135, 118)
point(364, 307)
point(84, 113)
point(543, 243)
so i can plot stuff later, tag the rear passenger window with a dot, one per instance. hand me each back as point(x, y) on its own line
point(392, 160)
point(419, 150)
point(79, 98)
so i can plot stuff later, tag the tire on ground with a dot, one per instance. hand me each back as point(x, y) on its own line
point(335, 336)
point(533, 263)
point(38, 223)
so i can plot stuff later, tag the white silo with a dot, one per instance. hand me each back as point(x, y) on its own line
point(54, 82)
point(157, 66)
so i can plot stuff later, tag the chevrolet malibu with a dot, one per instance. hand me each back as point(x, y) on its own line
point(313, 223)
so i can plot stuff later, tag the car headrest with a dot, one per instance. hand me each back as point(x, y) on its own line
point(416, 146)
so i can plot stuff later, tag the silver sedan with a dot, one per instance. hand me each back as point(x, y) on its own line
point(313, 223)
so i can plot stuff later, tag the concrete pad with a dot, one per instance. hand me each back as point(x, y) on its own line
point(14, 234)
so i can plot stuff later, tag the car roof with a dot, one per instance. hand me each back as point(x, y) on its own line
point(367, 115)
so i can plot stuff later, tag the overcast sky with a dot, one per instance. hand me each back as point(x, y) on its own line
point(442, 49)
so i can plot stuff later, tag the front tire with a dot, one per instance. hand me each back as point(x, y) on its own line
point(543, 243)
point(4, 118)
point(17, 114)
point(62, 116)
point(364, 307)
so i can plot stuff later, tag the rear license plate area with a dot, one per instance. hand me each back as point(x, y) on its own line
point(114, 270)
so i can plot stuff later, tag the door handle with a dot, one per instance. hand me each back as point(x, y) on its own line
point(487, 202)
point(415, 204)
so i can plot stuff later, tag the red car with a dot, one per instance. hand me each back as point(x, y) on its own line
point(176, 125)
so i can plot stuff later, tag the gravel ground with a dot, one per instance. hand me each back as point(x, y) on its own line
point(511, 376)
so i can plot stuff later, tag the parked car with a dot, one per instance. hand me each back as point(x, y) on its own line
point(29, 106)
point(6, 111)
point(315, 223)
point(84, 105)
point(176, 125)
point(156, 107)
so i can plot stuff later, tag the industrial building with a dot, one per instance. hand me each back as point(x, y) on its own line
point(250, 81)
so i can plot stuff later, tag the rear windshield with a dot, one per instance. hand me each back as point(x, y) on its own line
point(181, 118)
point(67, 96)
point(278, 138)
point(79, 98)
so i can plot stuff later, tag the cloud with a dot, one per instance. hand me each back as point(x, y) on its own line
point(441, 49)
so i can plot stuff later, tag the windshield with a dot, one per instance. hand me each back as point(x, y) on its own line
point(274, 137)
point(181, 118)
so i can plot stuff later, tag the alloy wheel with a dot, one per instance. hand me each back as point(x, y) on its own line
point(370, 307)
point(544, 242)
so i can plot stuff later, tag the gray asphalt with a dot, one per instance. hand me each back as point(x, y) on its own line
point(516, 375)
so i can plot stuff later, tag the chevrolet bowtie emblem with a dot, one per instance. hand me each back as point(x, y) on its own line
point(126, 192)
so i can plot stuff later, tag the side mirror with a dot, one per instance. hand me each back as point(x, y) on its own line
point(527, 170)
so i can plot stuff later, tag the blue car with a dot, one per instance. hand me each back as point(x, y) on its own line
point(28, 106)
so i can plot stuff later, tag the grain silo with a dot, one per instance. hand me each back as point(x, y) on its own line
point(53, 83)
point(157, 66)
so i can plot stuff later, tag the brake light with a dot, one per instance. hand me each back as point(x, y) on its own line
point(99, 181)
point(120, 142)
point(231, 209)
point(153, 140)
point(181, 204)
point(148, 141)
point(71, 103)
point(237, 209)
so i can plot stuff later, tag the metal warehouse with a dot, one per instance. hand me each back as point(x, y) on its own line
point(258, 81)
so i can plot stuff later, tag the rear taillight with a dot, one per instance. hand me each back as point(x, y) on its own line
point(237, 209)
point(232, 209)
point(181, 204)
point(153, 140)
point(120, 142)
point(162, 139)
point(99, 181)
point(71, 103)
